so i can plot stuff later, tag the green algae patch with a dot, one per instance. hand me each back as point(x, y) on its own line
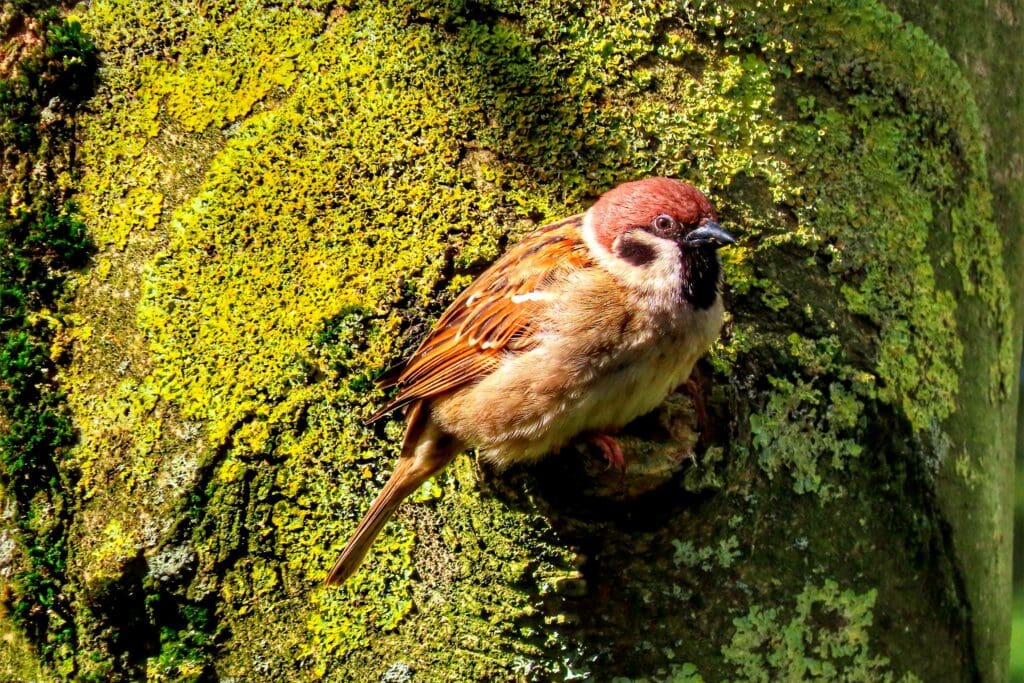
point(288, 195)
point(826, 638)
point(800, 427)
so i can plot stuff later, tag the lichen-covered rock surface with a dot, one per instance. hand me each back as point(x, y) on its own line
point(285, 195)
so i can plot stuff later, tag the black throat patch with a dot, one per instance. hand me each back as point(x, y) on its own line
point(701, 271)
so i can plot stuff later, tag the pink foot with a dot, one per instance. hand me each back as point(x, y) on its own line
point(610, 449)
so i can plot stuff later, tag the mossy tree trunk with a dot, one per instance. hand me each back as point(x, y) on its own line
point(286, 195)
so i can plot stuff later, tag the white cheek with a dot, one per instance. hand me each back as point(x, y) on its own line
point(658, 283)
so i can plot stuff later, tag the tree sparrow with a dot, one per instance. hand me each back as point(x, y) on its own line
point(582, 326)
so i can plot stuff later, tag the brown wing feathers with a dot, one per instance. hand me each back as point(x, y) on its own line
point(493, 314)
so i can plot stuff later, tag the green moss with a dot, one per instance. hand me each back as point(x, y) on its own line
point(827, 638)
point(41, 241)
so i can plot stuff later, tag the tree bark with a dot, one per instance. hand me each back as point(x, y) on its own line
point(287, 195)
point(982, 40)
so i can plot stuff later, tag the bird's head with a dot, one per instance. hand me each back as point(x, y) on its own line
point(659, 237)
point(638, 221)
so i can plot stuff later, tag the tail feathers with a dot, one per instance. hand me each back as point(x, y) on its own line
point(425, 452)
point(405, 479)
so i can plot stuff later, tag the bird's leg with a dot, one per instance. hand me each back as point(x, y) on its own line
point(705, 425)
point(610, 449)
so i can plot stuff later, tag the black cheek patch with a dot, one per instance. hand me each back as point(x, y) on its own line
point(633, 251)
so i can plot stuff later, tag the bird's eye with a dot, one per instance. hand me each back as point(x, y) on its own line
point(664, 223)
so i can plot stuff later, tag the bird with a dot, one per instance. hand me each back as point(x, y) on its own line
point(577, 329)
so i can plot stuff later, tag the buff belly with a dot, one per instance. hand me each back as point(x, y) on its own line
point(531, 406)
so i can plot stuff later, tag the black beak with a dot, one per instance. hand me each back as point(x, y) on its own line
point(709, 233)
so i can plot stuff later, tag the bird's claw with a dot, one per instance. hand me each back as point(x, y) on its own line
point(705, 425)
point(610, 449)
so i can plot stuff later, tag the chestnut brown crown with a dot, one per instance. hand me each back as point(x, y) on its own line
point(640, 203)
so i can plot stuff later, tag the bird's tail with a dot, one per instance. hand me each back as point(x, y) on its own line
point(425, 451)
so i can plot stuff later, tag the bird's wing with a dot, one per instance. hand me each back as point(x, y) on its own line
point(494, 316)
